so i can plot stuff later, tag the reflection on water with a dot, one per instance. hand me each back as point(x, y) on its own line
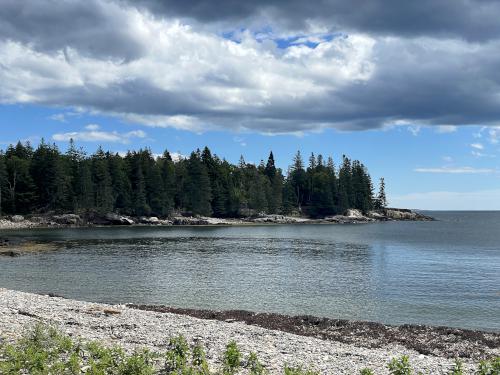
point(441, 273)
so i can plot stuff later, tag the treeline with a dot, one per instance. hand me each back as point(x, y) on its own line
point(46, 180)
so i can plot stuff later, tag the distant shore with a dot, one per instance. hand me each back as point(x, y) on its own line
point(332, 346)
point(351, 216)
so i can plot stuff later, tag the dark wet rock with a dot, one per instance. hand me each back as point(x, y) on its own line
point(405, 214)
point(68, 219)
point(113, 219)
point(10, 253)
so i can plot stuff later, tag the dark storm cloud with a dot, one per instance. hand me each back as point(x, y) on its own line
point(93, 27)
point(468, 19)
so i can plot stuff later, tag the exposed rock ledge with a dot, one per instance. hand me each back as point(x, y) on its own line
point(135, 329)
point(351, 216)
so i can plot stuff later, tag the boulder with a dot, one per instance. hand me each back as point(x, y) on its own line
point(68, 219)
point(377, 215)
point(354, 214)
point(153, 220)
point(17, 218)
point(405, 214)
point(181, 220)
point(115, 219)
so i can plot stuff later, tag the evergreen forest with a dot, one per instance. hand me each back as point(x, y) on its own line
point(45, 180)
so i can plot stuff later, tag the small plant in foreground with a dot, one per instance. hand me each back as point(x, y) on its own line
point(400, 366)
point(254, 366)
point(232, 358)
point(177, 354)
point(366, 371)
point(489, 367)
point(457, 368)
point(199, 361)
point(299, 371)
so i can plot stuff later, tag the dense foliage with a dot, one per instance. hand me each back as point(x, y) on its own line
point(44, 350)
point(45, 180)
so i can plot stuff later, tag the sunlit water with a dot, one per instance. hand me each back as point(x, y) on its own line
point(439, 273)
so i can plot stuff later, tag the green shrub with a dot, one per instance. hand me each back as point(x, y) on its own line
point(177, 354)
point(199, 361)
point(366, 371)
point(400, 366)
point(254, 366)
point(491, 367)
point(232, 359)
point(457, 368)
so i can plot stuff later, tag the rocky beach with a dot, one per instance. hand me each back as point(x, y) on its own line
point(321, 348)
point(351, 216)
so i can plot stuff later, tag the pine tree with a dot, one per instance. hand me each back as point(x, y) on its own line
point(138, 184)
point(49, 175)
point(381, 201)
point(322, 203)
point(153, 183)
point(120, 183)
point(346, 196)
point(167, 170)
point(22, 196)
point(198, 190)
point(103, 193)
point(298, 179)
point(3, 180)
point(270, 167)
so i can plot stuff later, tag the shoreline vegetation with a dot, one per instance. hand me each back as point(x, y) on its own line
point(44, 180)
point(128, 331)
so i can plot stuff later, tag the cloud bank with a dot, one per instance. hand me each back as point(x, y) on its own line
point(259, 66)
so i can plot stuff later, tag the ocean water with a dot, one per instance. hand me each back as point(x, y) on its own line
point(445, 272)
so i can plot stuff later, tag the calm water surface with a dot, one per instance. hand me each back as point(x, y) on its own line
point(440, 273)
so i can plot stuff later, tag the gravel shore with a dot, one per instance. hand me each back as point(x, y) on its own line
point(133, 328)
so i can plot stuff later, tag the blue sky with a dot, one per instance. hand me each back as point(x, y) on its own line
point(424, 167)
point(413, 92)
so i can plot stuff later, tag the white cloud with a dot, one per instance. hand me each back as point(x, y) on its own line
point(414, 130)
point(477, 146)
point(449, 200)
point(444, 129)
point(93, 134)
point(458, 170)
point(494, 134)
point(448, 159)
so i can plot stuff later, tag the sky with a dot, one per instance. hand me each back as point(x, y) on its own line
point(409, 88)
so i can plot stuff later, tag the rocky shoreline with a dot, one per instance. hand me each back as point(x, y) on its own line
point(351, 216)
point(324, 345)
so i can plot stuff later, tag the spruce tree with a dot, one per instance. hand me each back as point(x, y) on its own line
point(381, 201)
point(50, 178)
point(3, 180)
point(138, 185)
point(270, 167)
point(120, 183)
point(167, 170)
point(101, 179)
point(198, 189)
point(346, 192)
point(298, 179)
point(22, 190)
